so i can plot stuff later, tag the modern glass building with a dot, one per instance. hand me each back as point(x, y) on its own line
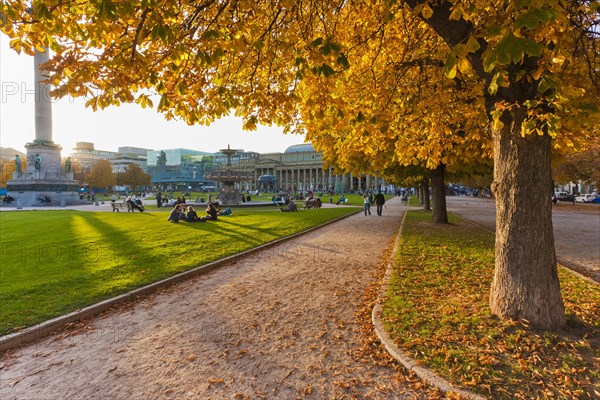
point(179, 169)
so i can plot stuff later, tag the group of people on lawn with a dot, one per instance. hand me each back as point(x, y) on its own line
point(180, 213)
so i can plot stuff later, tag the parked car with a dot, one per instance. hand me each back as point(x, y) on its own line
point(564, 196)
point(596, 200)
point(585, 198)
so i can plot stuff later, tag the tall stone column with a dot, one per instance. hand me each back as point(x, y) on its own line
point(44, 178)
point(43, 102)
point(43, 149)
point(283, 184)
point(306, 180)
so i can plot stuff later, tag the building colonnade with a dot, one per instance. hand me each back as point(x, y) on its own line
point(316, 178)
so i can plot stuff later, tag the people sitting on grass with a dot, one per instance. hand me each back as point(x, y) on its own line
point(192, 216)
point(290, 207)
point(211, 211)
point(225, 212)
point(342, 200)
point(177, 214)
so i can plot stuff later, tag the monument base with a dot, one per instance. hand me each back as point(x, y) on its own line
point(35, 193)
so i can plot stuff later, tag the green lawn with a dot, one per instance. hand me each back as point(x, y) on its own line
point(437, 311)
point(54, 262)
point(414, 201)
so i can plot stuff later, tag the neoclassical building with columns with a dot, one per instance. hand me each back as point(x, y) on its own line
point(300, 167)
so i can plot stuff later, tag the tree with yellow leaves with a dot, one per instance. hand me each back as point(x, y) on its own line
point(530, 66)
point(411, 115)
point(100, 175)
point(133, 177)
point(8, 168)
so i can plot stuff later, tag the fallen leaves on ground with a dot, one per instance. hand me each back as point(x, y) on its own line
point(437, 311)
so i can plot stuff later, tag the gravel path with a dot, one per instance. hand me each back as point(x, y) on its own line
point(290, 322)
point(576, 230)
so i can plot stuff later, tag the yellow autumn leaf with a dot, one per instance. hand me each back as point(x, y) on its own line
point(464, 65)
point(427, 12)
point(498, 124)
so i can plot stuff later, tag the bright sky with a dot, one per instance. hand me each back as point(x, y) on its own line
point(108, 129)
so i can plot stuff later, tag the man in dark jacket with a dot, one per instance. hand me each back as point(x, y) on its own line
point(380, 201)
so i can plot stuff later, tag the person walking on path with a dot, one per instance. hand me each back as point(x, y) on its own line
point(367, 204)
point(380, 201)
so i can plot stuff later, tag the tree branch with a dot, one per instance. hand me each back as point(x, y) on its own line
point(137, 32)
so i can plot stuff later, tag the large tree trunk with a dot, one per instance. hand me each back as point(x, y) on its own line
point(525, 284)
point(425, 194)
point(525, 281)
point(438, 191)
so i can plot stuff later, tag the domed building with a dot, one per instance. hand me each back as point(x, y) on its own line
point(300, 148)
point(300, 167)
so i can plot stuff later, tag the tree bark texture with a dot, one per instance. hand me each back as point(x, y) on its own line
point(525, 284)
point(425, 194)
point(438, 191)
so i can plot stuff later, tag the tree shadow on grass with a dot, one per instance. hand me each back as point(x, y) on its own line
point(140, 267)
point(229, 234)
point(261, 230)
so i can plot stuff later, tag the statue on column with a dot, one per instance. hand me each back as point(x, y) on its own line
point(37, 162)
point(68, 165)
point(18, 165)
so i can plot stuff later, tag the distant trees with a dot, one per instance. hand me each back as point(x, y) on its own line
point(7, 169)
point(579, 166)
point(133, 177)
point(100, 175)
